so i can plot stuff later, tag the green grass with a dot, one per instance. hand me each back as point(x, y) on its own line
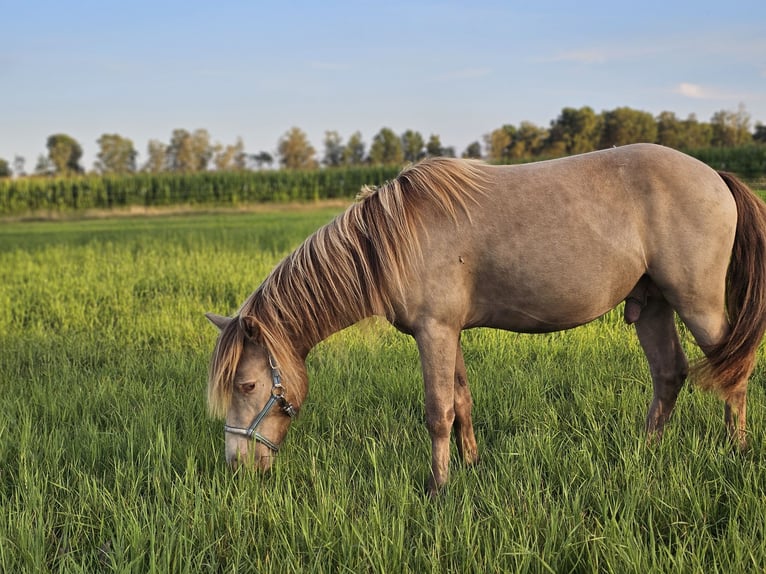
point(108, 461)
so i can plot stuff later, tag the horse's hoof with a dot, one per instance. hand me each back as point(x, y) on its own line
point(434, 490)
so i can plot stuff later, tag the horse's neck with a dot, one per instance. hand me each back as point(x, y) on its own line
point(312, 325)
point(329, 283)
point(302, 344)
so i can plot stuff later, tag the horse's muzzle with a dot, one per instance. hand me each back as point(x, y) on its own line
point(252, 455)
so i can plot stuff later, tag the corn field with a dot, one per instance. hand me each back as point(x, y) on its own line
point(33, 194)
point(748, 162)
point(62, 194)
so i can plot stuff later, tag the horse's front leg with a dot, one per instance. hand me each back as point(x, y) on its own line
point(464, 436)
point(437, 344)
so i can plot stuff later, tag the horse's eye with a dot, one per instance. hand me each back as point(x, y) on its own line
point(246, 387)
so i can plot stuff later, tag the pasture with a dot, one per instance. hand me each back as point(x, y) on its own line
point(109, 462)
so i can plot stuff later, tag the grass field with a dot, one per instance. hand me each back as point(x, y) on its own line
point(108, 461)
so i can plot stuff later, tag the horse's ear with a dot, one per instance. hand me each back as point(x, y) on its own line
point(249, 326)
point(218, 320)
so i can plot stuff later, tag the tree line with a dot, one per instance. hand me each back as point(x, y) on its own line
point(575, 130)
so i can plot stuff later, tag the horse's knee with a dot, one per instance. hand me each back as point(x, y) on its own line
point(440, 423)
point(668, 383)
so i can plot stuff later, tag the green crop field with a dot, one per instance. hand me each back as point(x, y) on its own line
point(109, 462)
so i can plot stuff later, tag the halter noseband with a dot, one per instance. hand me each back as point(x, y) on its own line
point(277, 396)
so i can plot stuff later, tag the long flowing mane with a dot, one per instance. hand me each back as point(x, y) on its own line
point(355, 266)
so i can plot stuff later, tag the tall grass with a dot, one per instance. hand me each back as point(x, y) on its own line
point(108, 461)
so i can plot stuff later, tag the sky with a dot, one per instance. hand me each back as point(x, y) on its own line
point(254, 69)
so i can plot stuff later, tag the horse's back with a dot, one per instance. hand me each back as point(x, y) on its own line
point(555, 244)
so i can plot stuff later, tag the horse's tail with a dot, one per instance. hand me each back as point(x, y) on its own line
point(732, 360)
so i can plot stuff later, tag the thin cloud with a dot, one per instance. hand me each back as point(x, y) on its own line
point(699, 92)
point(694, 91)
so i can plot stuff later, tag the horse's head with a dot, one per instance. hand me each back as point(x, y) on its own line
point(245, 387)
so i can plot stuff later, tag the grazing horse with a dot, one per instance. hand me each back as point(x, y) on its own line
point(453, 244)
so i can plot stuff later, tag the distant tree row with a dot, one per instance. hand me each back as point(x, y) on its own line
point(583, 130)
point(575, 130)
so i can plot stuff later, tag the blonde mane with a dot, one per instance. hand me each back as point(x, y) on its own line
point(355, 266)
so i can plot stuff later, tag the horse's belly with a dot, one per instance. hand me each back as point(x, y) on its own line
point(549, 302)
point(528, 321)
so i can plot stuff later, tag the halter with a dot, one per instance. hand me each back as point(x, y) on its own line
point(277, 396)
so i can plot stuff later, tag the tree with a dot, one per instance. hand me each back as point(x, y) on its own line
point(230, 157)
point(116, 155)
point(18, 166)
point(731, 128)
point(527, 141)
point(64, 153)
point(386, 148)
point(625, 126)
point(670, 130)
point(574, 131)
point(295, 151)
point(189, 152)
point(333, 149)
point(412, 146)
point(682, 134)
point(44, 166)
point(760, 133)
point(157, 157)
point(696, 134)
point(434, 147)
point(353, 153)
point(262, 159)
point(473, 151)
point(498, 143)
point(5, 168)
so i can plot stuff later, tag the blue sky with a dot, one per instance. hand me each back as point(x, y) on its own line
point(254, 69)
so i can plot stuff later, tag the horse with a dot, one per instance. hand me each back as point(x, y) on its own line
point(454, 244)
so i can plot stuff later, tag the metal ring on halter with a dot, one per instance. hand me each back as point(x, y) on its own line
point(277, 396)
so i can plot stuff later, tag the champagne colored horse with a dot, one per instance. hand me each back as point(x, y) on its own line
point(453, 244)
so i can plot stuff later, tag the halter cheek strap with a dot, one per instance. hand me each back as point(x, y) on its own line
point(277, 397)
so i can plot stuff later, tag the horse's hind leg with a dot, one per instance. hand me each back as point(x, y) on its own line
point(735, 414)
point(708, 329)
point(669, 367)
point(463, 425)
